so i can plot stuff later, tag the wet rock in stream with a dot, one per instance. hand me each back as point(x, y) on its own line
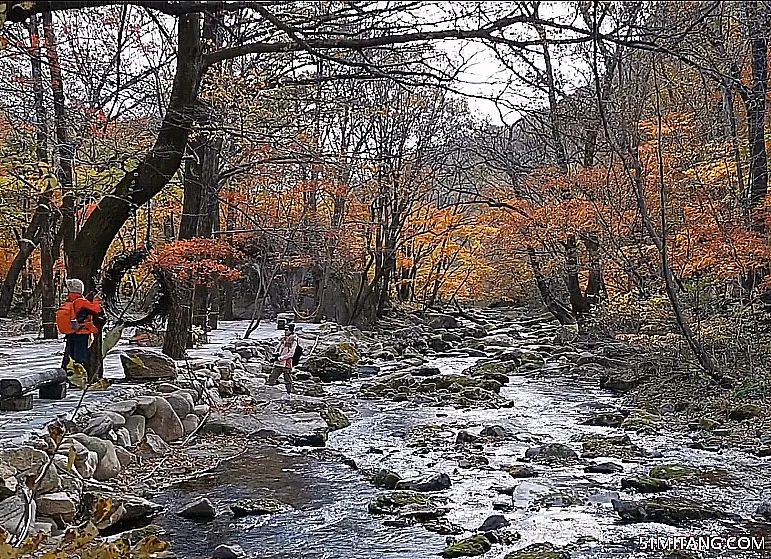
point(551, 452)
point(613, 446)
point(673, 511)
point(438, 482)
point(200, 509)
point(258, 507)
point(539, 551)
point(469, 547)
point(519, 472)
point(494, 522)
point(408, 504)
point(645, 484)
point(604, 468)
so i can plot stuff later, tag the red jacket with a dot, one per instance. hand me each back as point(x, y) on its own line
point(85, 311)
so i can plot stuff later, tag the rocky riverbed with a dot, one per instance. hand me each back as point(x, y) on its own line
point(491, 434)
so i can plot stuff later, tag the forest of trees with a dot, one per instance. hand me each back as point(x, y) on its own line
point(624, 184)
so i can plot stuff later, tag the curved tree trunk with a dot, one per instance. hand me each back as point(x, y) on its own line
point(155, 170)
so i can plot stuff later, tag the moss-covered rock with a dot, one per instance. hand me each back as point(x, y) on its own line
point(682, 474)
point(673, 511)
point(551, 452)
point(521, 471)
point(743, 412)
point(539, 551)
point(673, 472)
point(386, 478)
point(258, 507)
point(640, 420)
point(553, 500)
point(397, 502)
point(494, 367)
point(615, 446)
point(469, 547)
point(606, 419)
point(645, 484)
point(335, 418)
point(344, 352)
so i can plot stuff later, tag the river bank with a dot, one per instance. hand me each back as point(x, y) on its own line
point(552, 398)
point(486, 433)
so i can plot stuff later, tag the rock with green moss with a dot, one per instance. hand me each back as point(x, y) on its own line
point(493, 369)
point(468, 547)
point(258, 507)
point(614, 446)
point(640, 420)
point(552, 452)
point(645, 484)
point(386, 478)
point(335, 418)
point(539, 551)
point(554, 500)
point(343, 352)
point(673, 472)
point(606, 419)
point(743, 412)
point(404, 503)
point(326, 369)
point(682, 474)
point(673, 511)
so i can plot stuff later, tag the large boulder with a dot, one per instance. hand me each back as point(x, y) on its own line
point(299, 429)
point(327, 370)
point(437, 321)
point(181, 402)
point(109, 465)
point(30, 461)
point(438, 482)
point(57, 506)
point(343, 352)
point(135, 425)
point(165, 422)
point(673, 511)
point(144, 365)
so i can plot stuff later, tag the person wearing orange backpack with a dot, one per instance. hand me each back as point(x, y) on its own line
point(75, 319)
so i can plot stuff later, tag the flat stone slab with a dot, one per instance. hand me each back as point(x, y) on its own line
point(299, 429)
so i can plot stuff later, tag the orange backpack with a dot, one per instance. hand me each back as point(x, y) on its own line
point(66, 321)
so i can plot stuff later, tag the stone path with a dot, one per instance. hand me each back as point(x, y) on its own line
point(21, 354)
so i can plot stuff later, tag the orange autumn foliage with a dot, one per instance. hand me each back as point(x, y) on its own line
point(199, 260)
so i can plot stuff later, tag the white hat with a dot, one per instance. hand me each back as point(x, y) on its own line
point(74, 285)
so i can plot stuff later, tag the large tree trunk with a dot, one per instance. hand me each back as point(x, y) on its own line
point(175, 340)
point(155, 170)
point(553, 305)
point(38, 223)
point(64, 147)
point(755, 99)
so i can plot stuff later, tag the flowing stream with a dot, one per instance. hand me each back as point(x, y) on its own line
point(331, 520)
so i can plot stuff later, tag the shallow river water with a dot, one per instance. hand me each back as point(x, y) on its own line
point(331, 520)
